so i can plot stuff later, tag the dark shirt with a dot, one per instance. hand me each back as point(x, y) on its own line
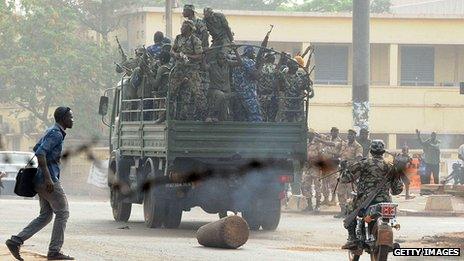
point(431, 151)
point(366, 145)
point(219, 77)
point(50, 146)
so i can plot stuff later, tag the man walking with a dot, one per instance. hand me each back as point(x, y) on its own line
point(47, 184)
point(431, 149)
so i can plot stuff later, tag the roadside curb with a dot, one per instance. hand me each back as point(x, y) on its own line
point(400, 213)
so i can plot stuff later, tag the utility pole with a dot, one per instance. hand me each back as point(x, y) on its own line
point(168, 15)
point(361, 64)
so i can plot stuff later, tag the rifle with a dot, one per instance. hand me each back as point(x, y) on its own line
point(352, 216)
point(264, 43)
point(308, 63)
point(123, 54)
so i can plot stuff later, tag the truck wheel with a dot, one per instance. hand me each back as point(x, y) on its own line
point(252, 218)
point(121, 210)
point(270, 215)
point(154, 210)
point(173, 215)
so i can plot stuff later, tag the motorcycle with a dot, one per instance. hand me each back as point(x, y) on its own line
point(374, 232)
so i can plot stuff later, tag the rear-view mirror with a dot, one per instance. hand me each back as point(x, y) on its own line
point(103, 107)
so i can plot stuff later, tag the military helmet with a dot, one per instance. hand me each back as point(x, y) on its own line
point(189, 7)
point(377, 147)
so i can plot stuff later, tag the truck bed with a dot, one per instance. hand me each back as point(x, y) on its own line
point(213, 140)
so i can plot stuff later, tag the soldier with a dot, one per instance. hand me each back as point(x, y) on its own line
point(161, 82)
point(185, 82)
point(364, 141)
point(312, 173)
point(219, 89)
point(244, 77)
point(350, 152)
point(200, 27)
point(369, 173)
point(293, 89)
point(331, 151)
point(267, 88)
point(218, 27)
point(159, 40)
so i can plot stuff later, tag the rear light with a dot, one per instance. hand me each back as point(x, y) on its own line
point(285, 179)
point(388, 211)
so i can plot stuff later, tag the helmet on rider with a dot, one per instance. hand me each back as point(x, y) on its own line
point(377, 147)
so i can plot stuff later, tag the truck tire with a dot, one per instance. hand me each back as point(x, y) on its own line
point(154, 210)
point(270, 215)
point(121, 210)
point(173, 216)
point(252, 217)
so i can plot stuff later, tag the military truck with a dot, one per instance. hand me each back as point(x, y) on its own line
point(143, 147)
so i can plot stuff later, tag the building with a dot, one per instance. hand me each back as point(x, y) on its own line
point(417, 62)
point(441, 7)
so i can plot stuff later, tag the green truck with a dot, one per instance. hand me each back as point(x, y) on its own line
point(142, 148)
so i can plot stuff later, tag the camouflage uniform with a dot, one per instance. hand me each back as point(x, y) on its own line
point(293, 91)
point(188, 95)
point(219, 29)
point(201, 31)
point(245, 90)
point(266, 92)
point(369, 173)
point(331, 153)
point(348, 152)
point(312, 174)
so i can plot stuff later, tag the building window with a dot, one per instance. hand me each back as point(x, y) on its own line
point(331, 63)
point(417, 66)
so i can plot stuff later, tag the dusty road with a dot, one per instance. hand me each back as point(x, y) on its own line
point(93, 235)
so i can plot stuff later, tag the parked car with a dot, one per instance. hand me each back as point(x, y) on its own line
point(11, 162)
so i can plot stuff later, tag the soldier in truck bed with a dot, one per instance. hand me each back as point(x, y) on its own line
point(200, 27)
point(185, 82)
point(218, 27)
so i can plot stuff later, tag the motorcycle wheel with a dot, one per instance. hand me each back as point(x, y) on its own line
point(380, 254)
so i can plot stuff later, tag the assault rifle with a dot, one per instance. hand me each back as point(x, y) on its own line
point(352, 216)
point(264, 43)
point(121, 51)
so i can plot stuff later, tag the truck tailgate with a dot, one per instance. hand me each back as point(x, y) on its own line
point(229, 139)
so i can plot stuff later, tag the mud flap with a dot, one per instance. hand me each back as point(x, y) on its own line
point(385, 235)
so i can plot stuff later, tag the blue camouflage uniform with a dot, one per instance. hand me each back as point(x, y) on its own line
point(245, 89)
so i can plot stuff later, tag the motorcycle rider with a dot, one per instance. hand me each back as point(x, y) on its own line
point(369, 173)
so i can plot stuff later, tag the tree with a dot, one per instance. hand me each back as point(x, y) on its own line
point(377, 6)
point(101, 15)
point(49, 61)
